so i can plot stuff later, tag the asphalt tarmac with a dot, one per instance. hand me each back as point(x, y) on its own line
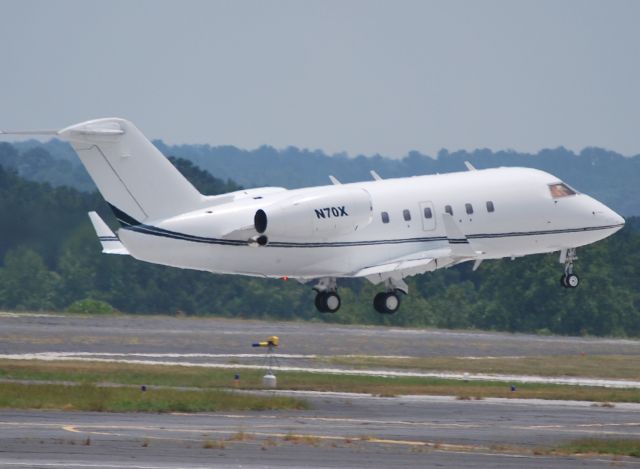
point(162, 335)
point(340, 431)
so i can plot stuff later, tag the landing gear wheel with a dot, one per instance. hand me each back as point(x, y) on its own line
point(572, 281)
point(320, 301)
point(328, 302)
point(386, 302)
point(569, 280)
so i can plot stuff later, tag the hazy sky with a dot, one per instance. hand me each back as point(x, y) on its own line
point(358, 76)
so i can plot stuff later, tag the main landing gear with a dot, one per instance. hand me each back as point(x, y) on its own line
point(327, 298)
point(569, 279)
point(387, 302)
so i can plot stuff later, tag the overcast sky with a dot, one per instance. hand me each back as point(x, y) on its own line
point(357, 76)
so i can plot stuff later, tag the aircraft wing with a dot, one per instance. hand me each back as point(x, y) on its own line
point(110, 242)
point(414, 264)
point(459, 250)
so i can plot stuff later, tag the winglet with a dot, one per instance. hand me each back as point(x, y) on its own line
point(334, 180)
point(458, 242)
point(469, 166)
point(110, 242)
point(375, 175)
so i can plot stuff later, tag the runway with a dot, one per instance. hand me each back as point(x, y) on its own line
point(340, 431)
point(226, 343)
point(20, 333)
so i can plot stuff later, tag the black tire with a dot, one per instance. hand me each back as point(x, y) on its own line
point(320, 302)
point(563, 280)
point(572, 281)
point(378, 302)
point(328, 302)
point(386, 302)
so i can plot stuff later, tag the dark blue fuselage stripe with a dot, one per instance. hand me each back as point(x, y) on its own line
point(154, 231)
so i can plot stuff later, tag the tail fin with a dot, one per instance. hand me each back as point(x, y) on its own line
point(130, 172)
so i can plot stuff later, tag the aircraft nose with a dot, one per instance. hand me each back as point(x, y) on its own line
point(610, 217)
point(615, 218)
point(605, 215)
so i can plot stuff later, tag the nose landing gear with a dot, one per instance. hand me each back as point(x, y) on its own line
point(569, 279)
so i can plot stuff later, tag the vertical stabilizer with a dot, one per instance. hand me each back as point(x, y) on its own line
point(130, 172)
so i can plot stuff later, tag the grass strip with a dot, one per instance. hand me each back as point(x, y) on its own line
point(89, 397)
point(588, 366)
point(619, 447)
point(211, 378)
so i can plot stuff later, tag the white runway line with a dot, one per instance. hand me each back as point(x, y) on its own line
point(6, 314)
point(127, 465)
point(96, 357)
point(62, 355)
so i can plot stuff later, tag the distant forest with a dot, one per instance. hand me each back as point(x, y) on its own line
point(608, 176)
point(51, 260)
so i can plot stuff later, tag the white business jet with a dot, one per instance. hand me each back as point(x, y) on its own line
point(382, 230)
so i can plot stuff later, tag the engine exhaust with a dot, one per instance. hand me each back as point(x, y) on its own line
point(259, 240)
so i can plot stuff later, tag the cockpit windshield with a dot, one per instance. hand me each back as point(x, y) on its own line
point(560, 190)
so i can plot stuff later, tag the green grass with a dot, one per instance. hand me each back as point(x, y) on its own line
point(592, 366)
point(211, 378)
point(88, 397)
point(620, 447)
point(443, 387)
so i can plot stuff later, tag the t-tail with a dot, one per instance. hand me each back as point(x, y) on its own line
point(132, 175)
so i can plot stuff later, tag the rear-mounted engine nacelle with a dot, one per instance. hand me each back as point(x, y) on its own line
point(319, 214)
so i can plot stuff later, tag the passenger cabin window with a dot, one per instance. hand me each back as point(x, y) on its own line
point(428, 213)
point(560, 190)
point(406, 214)
point(468, 208)
point(385, 217)
point(448, 209)
point(490, 207)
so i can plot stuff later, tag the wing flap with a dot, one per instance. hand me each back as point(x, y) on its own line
point(413, 264)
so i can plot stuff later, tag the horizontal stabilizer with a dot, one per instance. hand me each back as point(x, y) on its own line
point(110, 242)
point(28, 132)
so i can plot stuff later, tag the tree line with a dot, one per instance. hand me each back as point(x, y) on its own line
point(608, 176)
point(51, 261)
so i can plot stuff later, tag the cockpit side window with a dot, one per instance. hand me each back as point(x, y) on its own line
point(560, 190)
